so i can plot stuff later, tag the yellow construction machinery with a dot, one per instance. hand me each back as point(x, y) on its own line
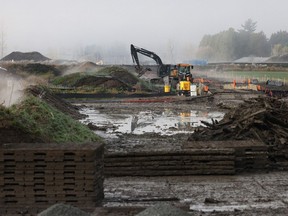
point(179, 76)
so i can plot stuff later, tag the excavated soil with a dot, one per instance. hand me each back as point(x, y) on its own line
point(28, 56)
point(14, 135)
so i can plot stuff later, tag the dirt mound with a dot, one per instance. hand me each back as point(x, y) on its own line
point(63, 210)
point(39, 119)
point(82, 68)
point(107, 78)
point(87, 67)
point(28, 56)
point(32, 68)
point(11, 134)
point(121, 74)
point(102, 82)
point(278, 59)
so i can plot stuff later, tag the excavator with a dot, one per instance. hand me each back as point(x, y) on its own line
point(179, 75)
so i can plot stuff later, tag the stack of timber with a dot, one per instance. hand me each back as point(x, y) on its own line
point(249, 155)
point(264, 119)
point(170, 162)
point(36, 176)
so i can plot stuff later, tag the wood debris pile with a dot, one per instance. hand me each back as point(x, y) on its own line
point(55, 101)
point(264, 119)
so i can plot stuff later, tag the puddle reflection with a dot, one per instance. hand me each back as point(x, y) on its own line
point(167, 122)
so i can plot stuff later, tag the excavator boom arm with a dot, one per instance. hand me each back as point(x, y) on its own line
point(163, 70)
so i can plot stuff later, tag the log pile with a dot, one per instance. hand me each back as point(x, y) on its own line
point(55, 101)
point(264, 119)
point(35, 176)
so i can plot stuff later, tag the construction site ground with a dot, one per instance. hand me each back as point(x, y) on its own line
point(247, 193)
point(260, 191)
point(243, 194)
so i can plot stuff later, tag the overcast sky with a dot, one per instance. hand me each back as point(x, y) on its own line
point(42, 25)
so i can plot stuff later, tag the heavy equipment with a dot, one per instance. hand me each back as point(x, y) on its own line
point(179, 75)
point(162, 70)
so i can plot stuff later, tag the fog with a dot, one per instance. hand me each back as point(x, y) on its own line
point(172, 29)
point(12, 86)
point(11, 89)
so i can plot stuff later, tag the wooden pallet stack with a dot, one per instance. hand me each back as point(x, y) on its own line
point(249, 154)
point(36, 176)
point(170, 162)
point(193, 158)
point(280, 158)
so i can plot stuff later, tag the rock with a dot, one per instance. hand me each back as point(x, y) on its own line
point(63, 210)
point(210, 200)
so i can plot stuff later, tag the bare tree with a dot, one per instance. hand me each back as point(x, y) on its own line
point(3, 44)
point(171, 51)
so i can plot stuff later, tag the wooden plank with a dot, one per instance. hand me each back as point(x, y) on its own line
point(185, 152)
point(170, 158)
point(168, 163)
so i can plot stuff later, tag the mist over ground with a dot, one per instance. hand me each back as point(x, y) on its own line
point(11, 89)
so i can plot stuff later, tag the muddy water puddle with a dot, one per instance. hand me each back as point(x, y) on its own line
point(164, 122)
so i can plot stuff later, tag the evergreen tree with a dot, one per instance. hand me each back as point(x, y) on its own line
point(249, 26)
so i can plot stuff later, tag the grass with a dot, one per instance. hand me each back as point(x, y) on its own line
point(39, 119)
point(261, 76)
point(69, 80)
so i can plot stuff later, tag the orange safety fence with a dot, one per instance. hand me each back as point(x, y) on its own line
point(202, 80)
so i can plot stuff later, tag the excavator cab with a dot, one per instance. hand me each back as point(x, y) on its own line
point(181, 71)
point(184, 78)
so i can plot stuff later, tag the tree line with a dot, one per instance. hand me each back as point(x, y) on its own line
point(230, 45)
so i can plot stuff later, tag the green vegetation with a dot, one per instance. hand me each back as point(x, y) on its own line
point(25, 70)
point(69, 80)
point(261, 76)
point(119, 73)
point(38, 119)
point(233, 44)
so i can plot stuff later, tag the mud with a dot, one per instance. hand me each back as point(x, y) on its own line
point(247, 193)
